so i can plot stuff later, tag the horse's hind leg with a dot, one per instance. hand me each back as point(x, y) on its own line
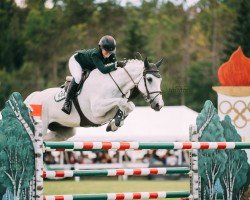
point(61, 134)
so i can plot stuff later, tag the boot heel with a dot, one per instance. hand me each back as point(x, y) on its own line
point(67, 107)
point(70, 95)
point(65, 111)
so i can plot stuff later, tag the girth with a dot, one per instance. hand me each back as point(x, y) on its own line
point(84, 121)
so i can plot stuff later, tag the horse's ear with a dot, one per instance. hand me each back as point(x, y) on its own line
point(146, 63)
point(158, 64)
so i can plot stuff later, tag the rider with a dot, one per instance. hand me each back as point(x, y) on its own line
point(102, 58)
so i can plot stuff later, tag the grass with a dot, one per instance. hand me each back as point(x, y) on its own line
point(113, 186)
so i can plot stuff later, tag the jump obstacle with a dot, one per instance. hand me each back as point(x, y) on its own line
point(88, 146)
point(121, 146)
point(40, 147)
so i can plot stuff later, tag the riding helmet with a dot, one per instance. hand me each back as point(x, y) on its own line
point(107, 43)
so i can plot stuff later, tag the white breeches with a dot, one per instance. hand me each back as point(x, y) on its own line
point(75, 69)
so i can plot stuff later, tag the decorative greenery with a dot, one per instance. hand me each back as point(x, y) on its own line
point(17, 165)
point(212, 163)
point(234, 177)
point(223, 172)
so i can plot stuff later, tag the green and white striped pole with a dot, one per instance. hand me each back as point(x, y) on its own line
point(116, 172)
point(88, 146)
point(120, 196)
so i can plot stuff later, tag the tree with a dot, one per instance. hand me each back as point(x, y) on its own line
point(200, 84)
point(213, 17)
point(5, 86)
point(239, 34)
point(11, 42)
point(78, 11)
point(37, 41)
point(135, 39)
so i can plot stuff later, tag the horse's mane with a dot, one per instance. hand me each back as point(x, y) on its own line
point(135, 62)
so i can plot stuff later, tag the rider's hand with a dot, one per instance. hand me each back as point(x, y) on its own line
point(121, 63)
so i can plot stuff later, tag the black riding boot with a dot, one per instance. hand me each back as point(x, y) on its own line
point(72, 89)
point(119, 117)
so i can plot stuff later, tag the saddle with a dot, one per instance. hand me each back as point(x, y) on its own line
point(68, 79)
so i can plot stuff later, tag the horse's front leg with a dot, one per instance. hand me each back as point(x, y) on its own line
point(101, 107)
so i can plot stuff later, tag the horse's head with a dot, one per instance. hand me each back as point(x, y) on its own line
point(150, 84)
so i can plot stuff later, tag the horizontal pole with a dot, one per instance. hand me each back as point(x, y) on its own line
point(120, 196)
point(116, 172)
point(89, 146)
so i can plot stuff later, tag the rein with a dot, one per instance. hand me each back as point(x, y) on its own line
point(123, 95)
point(146, 97)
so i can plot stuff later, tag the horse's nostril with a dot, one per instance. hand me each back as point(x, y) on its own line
point(157, 105)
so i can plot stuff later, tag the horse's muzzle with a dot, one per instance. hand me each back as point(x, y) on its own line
point(157, 106)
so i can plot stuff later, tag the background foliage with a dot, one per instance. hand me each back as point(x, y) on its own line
point(36, 41)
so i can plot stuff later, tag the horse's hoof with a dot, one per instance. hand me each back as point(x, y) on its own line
point(108, 129)
point(111, 127)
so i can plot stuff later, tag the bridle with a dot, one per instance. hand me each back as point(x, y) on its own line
point(155, 72)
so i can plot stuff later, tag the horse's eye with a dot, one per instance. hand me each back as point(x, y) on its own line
point(149, 79)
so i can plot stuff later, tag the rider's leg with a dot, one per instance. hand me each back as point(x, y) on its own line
point(76, 72)
point(72, 89)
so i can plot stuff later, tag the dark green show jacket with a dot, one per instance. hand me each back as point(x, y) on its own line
point(90, 59)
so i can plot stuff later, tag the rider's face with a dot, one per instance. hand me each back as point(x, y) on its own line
point(105, 53)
